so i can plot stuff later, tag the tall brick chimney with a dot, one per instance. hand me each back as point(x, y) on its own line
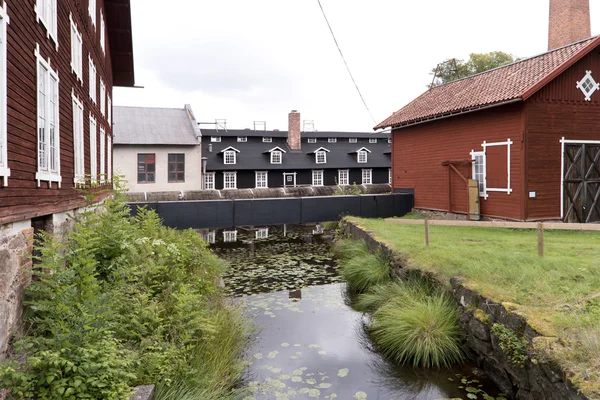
point(569, 22)
point(293, 138)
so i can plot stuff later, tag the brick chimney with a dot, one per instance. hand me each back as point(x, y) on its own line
point(293, 138)
point(569, 22)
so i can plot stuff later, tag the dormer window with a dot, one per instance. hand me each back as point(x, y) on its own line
point(361, 156)
point(229, 157)
point(372, 140)
point(352, 140)
point(321, 157)
point(389, 140)
point(276, 157)
point(215, 139)
point(332, 140)
point(242, 139)
point(312, 140)
point(267, 139)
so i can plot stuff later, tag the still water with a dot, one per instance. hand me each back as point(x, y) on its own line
point(310, 344)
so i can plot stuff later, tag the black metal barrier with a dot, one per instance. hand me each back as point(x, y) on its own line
point(278, 211)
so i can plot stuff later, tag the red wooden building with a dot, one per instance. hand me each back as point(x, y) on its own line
point(528, 132)
point(59, 60)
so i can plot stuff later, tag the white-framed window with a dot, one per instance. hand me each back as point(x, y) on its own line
point(267, 139)
point(209, 237)
point(102, 155)
point(262, 233)
point(372, 140)
point(276, 157)
point(48, 143)
point(109, 158)
point(78, 141)
point(102, 35)
point(230, 180)
point(209, 181)
point(332, 140)
point(109, 110)
point(76, 50)
point(92, 11)
point(229, 236)
point(242, 139)
point(102, 98)
point(343, 177)
point(361, 156)
point(92, 79)
point(491, 168)
point(367, 174)
point(390, 176)
point(390, 140)
point(216, 139)
point(4, 170)
point(93, 149)
point(262, 179)
point(312, 140)
point(478, 167)
point(45, 12)
point(321, 157)
point(352, 140)
point(229, 157)
point(317, 177)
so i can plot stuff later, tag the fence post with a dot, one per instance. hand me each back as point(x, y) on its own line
point(540, 228)
point(426, 232)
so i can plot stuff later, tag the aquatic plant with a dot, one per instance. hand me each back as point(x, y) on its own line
point(365, 271)
point(422, 332)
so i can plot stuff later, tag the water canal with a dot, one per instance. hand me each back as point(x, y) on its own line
point(310, 343)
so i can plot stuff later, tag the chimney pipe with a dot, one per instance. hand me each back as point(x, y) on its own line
point(569, 22)
point(293, 138)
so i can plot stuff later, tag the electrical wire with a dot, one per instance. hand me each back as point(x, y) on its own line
point(345, 63)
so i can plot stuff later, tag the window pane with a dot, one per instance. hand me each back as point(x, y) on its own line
point(172, 157)
point(150, 167)
point(172, 167)
point(150, 177)
point(141, 177)
point(180, 176)
point(141, 158)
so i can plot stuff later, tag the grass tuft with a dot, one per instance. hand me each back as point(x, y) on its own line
point(381, 294)
point(365, 271)
point(347, 249)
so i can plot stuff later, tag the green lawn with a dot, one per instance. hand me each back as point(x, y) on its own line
point(558, 294)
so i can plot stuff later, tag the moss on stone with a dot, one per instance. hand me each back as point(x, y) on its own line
point(482, 316)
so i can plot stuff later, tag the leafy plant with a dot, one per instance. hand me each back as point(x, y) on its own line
point(512, 345)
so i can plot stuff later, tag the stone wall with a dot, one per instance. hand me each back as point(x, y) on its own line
point(534, 379)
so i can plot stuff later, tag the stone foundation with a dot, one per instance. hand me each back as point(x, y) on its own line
point(534, 379)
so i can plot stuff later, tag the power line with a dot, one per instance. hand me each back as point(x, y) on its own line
point(345, 63)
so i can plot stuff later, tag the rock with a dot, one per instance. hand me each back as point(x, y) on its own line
point(479, 329)
point(145, 392)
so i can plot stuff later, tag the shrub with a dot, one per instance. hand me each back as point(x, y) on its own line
point(424, 333)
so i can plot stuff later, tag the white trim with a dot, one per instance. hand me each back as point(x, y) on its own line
point(266, 180)
point(102, 33)
point(78, 141)
point(363, 149)
point(331, 140)
point(321, 153)
point(370, 176)
point(276, 148)
point(285, 175)
point(93, 150)
point(109, 157)
point(594, 85)
point(50, 22)
point(102, 155)
point(275, 153)
point(230, 148)
point(347, 182)
point(352, 140)
point(209, 237)
point(262, 233)
point(76, 50)
point(228, 153)
point(311, 140)
point(362, 152)
point(102, 98)
point(372, 140)
point(231, 173)
point(267, 139)
point(93, 80)
point(242, 139)
point(473, 174)
point(230, 236)
point(508, 190)
point(92, 11)
point(321, 149)
point(215, 139)
point(567, 141)
point(109, 111)
point(4, 170)
point(322, 177)
point(212, 183)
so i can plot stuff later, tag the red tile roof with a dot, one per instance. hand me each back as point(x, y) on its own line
point(513, 82)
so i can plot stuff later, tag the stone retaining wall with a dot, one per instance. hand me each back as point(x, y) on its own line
point(534, 380)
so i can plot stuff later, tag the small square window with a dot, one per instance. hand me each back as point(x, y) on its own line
point(332, 140)
point(312, 140)
point(215, 139)
point(352, 140)
point(267, 139)
point(242, 139)
point(372, 140)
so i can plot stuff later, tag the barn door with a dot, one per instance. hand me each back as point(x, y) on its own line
point(581, 182)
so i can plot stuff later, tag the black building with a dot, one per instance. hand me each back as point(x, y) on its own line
point(241, 159)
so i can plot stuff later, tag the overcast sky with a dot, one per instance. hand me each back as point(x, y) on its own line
point(257, 60)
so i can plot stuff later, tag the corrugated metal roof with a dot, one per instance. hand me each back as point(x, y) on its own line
point(512, 82)
point(143, 125)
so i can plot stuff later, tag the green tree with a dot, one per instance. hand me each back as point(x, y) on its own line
point(453, 69)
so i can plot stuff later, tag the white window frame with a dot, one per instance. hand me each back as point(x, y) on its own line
point(229, 157)
point(321, 157)
point(352, 140)
point(372, 140)
point(102, 33)
point(390, 176)
point(267, 139)
point(76, 50)
point(92, 11)
point(230, 236)
point(261, 183)
point(215, 139)
point(46, 13)
point(93, 79)
point(389, 140)
point(508, 190)
point(209, 181)
point(109, 110)
point(93, 150)
point(332, 140)
point(51, 113)
point(102, 155)
point(242, 139)
point(312, 140)
point(4, 170)
point(480, 184)
point(231, 185)
point(78, 142)
point(367, 176)
point(108, 158)
point(102, 98)
point(364, 159)
point(276, 157)
point(317, 177)
point(209, 237)
point(261, 233)
point(343, 177)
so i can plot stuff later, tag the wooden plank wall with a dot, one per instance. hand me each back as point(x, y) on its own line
point(557, 110)
point(419, 150)
point(22, 198)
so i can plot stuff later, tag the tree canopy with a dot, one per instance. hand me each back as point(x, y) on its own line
point(453, 69)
